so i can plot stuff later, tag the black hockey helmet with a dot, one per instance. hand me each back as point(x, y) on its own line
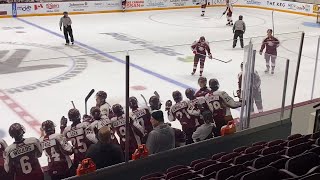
point(95, 111)
point(214, 84)
point(177, 96)
point(155, 103)
point(74, 115)
point(190, 93)
point(16, 131)
point(241, 65)
point(133, 102)
point(202, 39)
point(102, 95)
point(240, 17)
point(117, 110)
point(48, 126)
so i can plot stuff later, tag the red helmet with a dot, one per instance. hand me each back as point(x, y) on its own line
point(16, 130)
point(48, 126)
point(74, 115)
point(117, 110)
point(102, 94)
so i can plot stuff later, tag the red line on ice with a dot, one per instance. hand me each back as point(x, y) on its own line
point(20, 111)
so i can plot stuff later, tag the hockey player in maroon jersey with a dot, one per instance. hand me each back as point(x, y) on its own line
point(226, 103)
point(119, 125)
point(57, 150)
point(154, 103)
point(142, 115)
point(96, 124)
point(229, 10)
point(271, 44)
point(3, 173)
point(193, 106)
point(21, 157)
point(202, 81)
point(105, 107)
point(77, 134)
point(180, 111)
point(200, 48)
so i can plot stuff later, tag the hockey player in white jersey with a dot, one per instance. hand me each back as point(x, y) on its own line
point(229, 11)
point(203, 4)
point(105, 108)
point(77, 134)
point(228, 101)
point(57, 150)
point(21, 157)
point(96, 124)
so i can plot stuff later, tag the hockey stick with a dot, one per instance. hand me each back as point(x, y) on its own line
point(157, 94)
point(145, 101)
point(87, 98)
point(215, 58)
point(73, 105)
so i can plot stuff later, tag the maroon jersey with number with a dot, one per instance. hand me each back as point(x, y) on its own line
point(135, 132)
point(216, 105)
point(77, 135)
point(143, 116)
point(194, 111)
point(57, 150)
point(21, 158)
point(180, 111)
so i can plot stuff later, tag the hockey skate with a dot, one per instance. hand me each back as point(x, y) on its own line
point(266, 71)
point(192, 73)
point(67, 44)
point(272, 71)
point(202, 15)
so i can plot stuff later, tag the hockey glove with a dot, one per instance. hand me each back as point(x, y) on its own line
point(260, 52)
point(210, 56)
point(63, 122)
point(168, 105)
point(224, 13)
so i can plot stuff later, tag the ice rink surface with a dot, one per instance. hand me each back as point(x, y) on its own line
point(40, 75)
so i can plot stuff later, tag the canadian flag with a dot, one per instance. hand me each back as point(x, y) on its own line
point(38, 6)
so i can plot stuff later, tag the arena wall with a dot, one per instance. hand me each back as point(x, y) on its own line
point(109, 6)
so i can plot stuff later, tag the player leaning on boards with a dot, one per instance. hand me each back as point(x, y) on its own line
point(200, 49)
point(271, 44)
point(229, 10)
point(239, 28)
point(67, 29)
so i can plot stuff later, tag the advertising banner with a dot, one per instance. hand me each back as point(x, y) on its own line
point(6, 10)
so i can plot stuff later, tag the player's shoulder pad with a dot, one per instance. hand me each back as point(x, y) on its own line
point(3, 143)
point(31, 140)
point(55, 136)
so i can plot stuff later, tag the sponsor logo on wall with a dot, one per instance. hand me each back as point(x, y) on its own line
point(156, 3)
point(3, 13)
point(218, 2)
point(78, 6)
point(52, 7)
point(276, 4)
point(38, 6)
point(299, 7)
point(112, 4)
point(178, 2)
point(25, 8)
point(253, 2)
point(135, 4)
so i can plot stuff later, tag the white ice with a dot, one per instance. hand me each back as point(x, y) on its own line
point(174, 29)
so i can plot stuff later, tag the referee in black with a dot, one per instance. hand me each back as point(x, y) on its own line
point(239, 28)
point(67, 29)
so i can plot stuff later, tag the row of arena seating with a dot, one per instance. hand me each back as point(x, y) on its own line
point(295, 158)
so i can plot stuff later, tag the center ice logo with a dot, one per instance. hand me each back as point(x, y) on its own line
point(24, 69)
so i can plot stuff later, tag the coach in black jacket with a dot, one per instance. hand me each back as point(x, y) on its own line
point(105, 153)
